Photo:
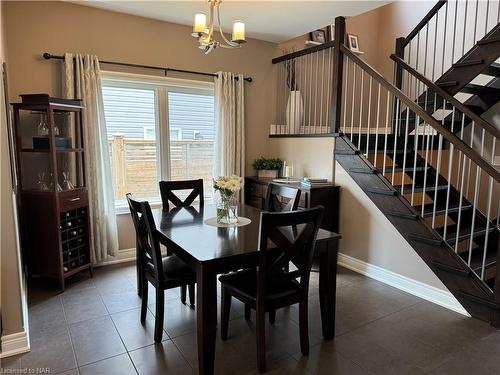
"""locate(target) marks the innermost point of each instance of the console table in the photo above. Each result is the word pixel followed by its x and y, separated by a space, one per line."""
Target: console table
pixel 327 195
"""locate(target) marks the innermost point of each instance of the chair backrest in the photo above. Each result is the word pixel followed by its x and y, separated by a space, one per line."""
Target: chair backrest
pixel 275 195
pixel 294 235
pixel 147 241
pixel 168 196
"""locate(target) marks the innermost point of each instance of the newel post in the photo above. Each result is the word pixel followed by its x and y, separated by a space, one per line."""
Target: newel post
pixel 338 70
pixel 399 52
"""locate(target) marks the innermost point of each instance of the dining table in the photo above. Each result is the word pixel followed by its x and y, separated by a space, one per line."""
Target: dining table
pixel 211 250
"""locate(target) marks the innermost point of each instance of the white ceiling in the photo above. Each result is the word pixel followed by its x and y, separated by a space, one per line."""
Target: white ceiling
pixel 274 21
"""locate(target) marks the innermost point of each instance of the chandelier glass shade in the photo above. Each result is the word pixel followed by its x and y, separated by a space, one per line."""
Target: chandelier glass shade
pixel 203 30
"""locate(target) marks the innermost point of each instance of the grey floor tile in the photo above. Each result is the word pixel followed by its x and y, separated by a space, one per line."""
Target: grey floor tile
pixel 95 339
pixel 83 305
pixel 179 319
pixel 162 358
pixel 481 357
pixel 388 352
pixel 117 302
pixel 50 349
pixel 133 334
pixel 70 372
pixel 324 359
pixel 43 315
pixel 119 365
pixel 10 363
pixel 284 366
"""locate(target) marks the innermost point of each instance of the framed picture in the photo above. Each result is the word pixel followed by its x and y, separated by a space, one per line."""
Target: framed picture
pixel 330 32
pixel 318 36
pixel 352 42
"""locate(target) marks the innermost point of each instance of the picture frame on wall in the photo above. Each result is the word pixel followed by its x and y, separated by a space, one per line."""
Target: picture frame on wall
pixel 330 33
pixel 318 36
pixel 353 42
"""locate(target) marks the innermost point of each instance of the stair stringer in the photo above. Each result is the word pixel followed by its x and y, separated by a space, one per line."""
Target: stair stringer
pixel 454 273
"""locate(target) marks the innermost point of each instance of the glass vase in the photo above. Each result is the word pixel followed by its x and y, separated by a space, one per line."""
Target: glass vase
pixel 227 210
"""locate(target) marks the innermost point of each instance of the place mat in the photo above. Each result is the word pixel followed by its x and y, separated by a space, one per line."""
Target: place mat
pixel 242 221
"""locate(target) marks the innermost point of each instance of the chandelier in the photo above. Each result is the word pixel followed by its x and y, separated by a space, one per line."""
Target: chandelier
pixel 205 32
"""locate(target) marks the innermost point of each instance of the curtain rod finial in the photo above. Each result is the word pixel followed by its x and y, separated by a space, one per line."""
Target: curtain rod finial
pixel 46 55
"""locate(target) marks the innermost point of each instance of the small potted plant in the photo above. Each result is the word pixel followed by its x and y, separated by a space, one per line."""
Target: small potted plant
pixel 267 167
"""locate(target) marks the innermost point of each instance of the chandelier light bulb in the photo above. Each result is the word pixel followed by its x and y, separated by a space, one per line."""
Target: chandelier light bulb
pixel 238 31
pixel 200 23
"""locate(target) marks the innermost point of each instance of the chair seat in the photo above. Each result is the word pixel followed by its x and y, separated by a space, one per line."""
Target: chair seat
pixel 174 269
pixel 245 283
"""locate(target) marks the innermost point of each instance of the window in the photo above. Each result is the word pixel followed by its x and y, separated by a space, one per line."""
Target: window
pixel 158 129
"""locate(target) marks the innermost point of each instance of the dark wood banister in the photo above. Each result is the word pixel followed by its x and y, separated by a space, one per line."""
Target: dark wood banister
pixel 424 21
pixel 302 52
pixel 448 135
pixel 450 99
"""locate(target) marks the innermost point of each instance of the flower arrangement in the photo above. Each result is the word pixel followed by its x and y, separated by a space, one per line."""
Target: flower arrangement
pixel 226 207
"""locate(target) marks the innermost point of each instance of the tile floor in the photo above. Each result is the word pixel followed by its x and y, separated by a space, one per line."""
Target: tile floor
pixel 93 328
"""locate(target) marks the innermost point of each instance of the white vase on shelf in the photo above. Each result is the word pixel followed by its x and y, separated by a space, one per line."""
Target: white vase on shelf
pixel 294 112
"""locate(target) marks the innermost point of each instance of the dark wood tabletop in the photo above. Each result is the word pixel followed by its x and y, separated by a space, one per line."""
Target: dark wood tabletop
pixel 211 250
pixel 185 226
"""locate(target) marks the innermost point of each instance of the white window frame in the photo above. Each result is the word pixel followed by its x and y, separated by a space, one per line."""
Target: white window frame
pixel 162 86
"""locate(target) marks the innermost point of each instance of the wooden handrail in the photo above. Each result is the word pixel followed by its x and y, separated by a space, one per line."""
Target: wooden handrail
pixel 448 135
pixel 303 52
pixel 424 21
pixel 450 99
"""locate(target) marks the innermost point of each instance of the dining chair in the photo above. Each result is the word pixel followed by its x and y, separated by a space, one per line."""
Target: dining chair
pixel 276 195
pixel 168 188
pixel 168 196
pixel 274 198
pixel 270 286
pixel 162 272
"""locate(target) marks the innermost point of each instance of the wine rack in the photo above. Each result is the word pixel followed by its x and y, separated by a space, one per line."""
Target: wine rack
pixel 74 238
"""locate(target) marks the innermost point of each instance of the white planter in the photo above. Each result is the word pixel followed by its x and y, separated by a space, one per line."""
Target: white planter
pixel 267 173
pixel 294 112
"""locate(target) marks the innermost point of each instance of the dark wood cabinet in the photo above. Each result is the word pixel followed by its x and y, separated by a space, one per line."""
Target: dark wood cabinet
pixel 327 195
pixel 51 186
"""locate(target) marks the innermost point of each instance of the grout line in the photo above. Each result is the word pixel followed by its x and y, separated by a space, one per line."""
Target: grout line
pixel 119 335
pixel 69 332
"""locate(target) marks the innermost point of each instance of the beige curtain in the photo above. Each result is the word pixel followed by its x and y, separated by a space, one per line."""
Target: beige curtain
pixel 229 125
pixel 82 80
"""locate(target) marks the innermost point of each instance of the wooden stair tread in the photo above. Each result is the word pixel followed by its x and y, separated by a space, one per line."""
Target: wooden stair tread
pixel 464 233
pixel 476 262
pixel 407 188
pixel 441 210
pixel 492 70
pixel 480 90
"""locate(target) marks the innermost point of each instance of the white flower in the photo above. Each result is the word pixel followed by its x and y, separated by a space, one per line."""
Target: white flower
pixel 221 184
pixel 234 185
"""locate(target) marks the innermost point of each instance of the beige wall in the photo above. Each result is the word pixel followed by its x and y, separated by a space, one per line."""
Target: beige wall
pixel 11 304
pixel 57 27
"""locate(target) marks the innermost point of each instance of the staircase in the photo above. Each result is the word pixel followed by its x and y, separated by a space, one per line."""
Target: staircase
pixel 441 199
pixel 419 148
pixel 428 168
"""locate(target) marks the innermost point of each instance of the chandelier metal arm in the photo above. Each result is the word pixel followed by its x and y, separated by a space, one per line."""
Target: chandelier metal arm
pixel 228 42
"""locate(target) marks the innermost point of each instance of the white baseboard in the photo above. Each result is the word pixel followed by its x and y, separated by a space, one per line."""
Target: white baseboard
pixel 417 288
pixel 15 343
pixel 123 256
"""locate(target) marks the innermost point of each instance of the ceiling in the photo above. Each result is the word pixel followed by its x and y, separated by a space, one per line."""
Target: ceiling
pixel 273 21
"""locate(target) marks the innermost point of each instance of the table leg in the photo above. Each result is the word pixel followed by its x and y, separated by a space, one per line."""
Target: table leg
pixel 328 287
pixel 206 307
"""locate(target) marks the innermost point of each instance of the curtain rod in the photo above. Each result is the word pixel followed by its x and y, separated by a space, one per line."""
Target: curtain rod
pixel 48 56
